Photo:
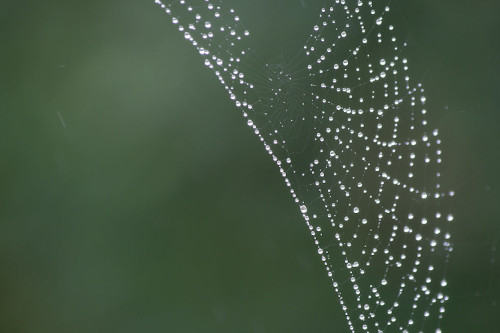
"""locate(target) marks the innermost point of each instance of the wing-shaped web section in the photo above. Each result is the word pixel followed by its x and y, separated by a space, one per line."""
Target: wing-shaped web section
pixel 347 128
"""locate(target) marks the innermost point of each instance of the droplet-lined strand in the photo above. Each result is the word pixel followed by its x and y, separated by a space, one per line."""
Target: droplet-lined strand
pixel 347 127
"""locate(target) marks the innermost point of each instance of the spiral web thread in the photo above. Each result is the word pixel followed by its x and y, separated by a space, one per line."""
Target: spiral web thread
pixel 347 128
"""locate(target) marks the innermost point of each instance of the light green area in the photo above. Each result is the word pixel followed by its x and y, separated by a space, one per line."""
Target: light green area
pixel 134 198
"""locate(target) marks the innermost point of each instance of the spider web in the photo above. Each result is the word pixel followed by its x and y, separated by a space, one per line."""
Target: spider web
pixel 347 128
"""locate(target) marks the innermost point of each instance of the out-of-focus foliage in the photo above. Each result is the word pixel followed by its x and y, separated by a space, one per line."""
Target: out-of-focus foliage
pixel 133 197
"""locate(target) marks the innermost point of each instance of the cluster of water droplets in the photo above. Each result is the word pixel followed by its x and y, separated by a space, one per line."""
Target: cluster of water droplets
pixel 348 131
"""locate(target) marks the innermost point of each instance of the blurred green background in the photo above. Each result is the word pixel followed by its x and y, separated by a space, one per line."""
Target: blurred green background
pixel 134 198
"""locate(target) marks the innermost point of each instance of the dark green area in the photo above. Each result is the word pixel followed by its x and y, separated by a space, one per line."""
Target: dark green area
pixel 134 198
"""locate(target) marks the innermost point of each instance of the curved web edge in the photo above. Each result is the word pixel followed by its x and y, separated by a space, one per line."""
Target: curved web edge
pixel 349 134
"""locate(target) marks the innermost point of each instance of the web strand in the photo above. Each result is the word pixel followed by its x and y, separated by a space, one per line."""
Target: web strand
pixel 347 128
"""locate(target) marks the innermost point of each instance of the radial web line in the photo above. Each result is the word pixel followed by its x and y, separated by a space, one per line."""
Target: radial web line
pixel 347 127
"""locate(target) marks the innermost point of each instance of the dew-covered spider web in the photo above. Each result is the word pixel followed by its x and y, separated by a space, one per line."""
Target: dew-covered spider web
pixel 347 127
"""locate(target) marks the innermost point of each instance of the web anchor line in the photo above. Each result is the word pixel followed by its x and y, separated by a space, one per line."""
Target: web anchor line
pixel 347 128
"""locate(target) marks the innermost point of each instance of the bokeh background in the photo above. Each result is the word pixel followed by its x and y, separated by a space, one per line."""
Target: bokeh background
pixel 134 198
